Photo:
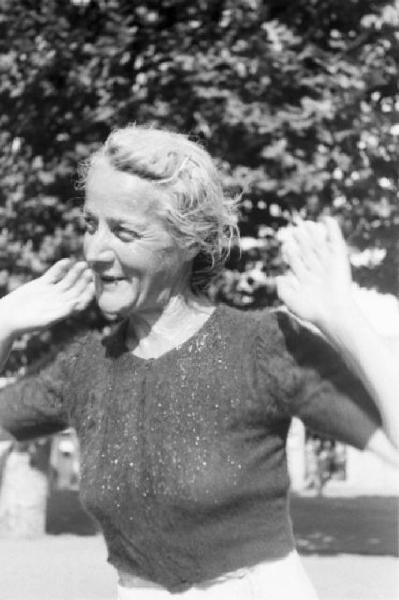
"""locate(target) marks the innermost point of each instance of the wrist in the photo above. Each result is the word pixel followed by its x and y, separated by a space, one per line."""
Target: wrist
pixel 341 316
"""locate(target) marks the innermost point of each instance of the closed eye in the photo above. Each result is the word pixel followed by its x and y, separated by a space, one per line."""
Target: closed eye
pixel 125 233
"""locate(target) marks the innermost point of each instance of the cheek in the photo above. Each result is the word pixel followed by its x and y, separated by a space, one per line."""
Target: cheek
pixel 169 262
pixel 148 262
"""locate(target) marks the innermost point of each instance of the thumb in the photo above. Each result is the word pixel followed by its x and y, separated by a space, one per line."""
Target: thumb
pixel 286 287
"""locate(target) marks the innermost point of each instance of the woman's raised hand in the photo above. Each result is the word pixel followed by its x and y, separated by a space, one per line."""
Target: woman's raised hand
pixel 318 281
pixel 61 291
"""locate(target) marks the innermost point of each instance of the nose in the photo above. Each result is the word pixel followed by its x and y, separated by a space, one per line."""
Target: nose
pixel 98 252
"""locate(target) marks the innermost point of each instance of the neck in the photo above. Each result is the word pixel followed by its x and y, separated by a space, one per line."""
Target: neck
pixel 164 321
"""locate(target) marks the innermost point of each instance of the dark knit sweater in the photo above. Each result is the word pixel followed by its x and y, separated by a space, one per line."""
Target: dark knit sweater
pixel 183 456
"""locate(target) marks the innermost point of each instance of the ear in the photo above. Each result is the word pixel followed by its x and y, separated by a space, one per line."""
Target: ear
pixel 191 250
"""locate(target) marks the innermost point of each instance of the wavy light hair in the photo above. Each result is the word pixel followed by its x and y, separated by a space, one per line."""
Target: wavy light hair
pixel 198 212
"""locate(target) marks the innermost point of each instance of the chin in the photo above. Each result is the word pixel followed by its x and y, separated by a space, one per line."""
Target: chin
pixel 113 311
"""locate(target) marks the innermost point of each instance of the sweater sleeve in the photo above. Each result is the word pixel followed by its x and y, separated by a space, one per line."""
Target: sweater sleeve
pixel 311 381
pixel 41 404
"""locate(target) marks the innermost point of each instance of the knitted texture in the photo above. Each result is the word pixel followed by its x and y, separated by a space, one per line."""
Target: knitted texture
pixel 183 458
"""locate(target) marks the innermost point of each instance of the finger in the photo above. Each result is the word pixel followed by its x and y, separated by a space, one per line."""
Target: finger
pixel 292 256
pixel 85 298
pixel 311 232
pixel 319 239
pixel 81 285
pixel 57 271
pixel 317 231
pixel 307 244
pixel 338 247
pixel 297 219
pixel 73 275
pixel 334 233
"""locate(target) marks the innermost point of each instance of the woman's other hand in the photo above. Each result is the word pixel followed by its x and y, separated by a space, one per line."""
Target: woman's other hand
pixel 318 282
pixel 318 288
pixel 64 289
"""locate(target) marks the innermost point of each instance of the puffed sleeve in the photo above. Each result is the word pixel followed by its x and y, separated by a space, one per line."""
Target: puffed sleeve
pixel 310 380
pixel 41 404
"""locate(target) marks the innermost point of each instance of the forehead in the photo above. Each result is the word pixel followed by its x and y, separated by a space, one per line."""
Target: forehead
pixel 116 194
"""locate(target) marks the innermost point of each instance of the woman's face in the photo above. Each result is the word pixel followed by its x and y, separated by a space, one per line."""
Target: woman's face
pixel 137 265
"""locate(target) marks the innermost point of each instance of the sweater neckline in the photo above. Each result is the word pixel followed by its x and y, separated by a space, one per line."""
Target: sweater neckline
pixel 205 328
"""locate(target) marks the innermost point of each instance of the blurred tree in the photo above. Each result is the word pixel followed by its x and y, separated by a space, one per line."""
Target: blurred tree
pixel 298 102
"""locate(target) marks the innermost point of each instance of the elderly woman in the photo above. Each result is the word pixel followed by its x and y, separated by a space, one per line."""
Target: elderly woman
pixel 183 410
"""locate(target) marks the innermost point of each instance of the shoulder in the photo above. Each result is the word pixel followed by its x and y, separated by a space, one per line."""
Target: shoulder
pixel 85 360
pixel 62 354
pixel 247 319
pixel 270 324
pixel 77 354
pixel 266 336
pixel 293 333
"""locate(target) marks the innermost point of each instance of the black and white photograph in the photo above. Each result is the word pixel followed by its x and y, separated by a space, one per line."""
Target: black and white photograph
pixel 199 300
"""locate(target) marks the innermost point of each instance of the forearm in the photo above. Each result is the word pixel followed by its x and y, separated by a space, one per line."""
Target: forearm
pixel 371 358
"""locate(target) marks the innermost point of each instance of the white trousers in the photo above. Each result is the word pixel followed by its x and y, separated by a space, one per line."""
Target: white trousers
pixel 283 579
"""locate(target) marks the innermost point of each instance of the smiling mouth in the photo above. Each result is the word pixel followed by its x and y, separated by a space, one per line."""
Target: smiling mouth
pixel 110 279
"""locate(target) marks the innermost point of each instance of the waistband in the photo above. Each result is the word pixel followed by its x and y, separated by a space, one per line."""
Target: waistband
pixel 281 579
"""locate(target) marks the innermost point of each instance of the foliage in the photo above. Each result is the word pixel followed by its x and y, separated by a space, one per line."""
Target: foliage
pixel 298 102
